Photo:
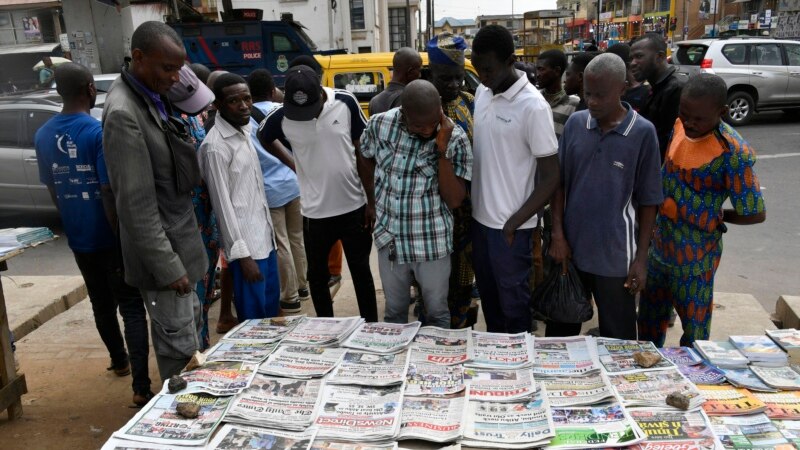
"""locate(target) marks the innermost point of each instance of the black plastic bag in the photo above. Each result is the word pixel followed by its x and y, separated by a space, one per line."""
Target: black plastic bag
pixel 561 298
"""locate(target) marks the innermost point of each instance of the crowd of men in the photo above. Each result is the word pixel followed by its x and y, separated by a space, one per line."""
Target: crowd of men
pixel 629 179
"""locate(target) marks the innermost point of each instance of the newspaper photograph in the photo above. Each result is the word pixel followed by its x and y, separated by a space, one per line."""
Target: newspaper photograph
pixel 218 378
pixel 370 369
pixel 753 431
pixel 382 337
pixel 285 403
pixel 360 413
pixel 158 422
pixel 565 356
pixel 600 426
pixel 324 331
pixel 441 346
pixel 616 355
pixel 433 379
pixel 435 419
pixel 240 437
pixel 298 361
pixel 251 352
pixel 681 356
pixel 675 429
pixel 578 391
pixel 651 388
pixel 263 330
pixel 501 351
pixel 326 444
pixel 521 424
pixel 498 385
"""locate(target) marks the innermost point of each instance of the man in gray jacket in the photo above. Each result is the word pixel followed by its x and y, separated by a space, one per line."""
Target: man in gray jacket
pixel 152 169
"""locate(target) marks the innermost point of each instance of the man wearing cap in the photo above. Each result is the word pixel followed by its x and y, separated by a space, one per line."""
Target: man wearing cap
pixel 323 127
pixel 153 170
pixel 446 62
pixel 236 184
pixel 421 161
pixel 406 66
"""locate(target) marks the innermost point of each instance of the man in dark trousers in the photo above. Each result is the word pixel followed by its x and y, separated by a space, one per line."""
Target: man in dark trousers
pixel 406 65
pixel 69 150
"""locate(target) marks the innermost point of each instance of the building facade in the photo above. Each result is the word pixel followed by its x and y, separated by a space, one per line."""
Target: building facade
pixel 465 28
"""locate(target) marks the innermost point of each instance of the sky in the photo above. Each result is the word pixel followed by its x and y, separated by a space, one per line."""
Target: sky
pixel 469 9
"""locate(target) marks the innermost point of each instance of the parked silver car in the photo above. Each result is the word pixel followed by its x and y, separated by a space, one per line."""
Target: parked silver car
pixel 761 73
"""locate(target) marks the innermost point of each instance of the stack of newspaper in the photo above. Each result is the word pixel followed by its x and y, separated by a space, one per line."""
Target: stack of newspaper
pixel 263 330
pixel 322 331
pixel 498 385
pixel 681 356
pixel 616 355
pixel 442 346
pixel 600 426
pixel 360 413
pixel 745 378
pixel 370 369
pixel 298 361
pixel 218 378
pixel 760 350
pixel 24 237
pixel 789 341
pixel 721 354
pixel 433 379
pixel 565 356
pixel 238 437
pixel 381 337
pixel 651 388
pixel 244 351
pixel 692 365
pixel 781 405
pixel 587 390
pixel 755 431
pixel 679 430
pixel 501 351
pixel 435 419
pixel 273 402
pixel 784 378
pixel 730 401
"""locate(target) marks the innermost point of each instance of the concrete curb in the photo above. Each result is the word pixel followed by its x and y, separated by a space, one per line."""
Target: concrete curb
pixel 47 308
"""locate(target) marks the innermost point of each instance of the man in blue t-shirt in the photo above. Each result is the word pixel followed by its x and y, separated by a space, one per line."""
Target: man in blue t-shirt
pixel 69 149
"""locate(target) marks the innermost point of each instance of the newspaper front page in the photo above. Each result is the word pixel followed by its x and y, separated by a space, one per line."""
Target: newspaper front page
pixel 577 391
pixel 442 346
pixel 327 444
pixel 498 385
pixel 360 413
pixel 668 430
pixel 435 419
pixel 651 388
pixel 298 361
pixel 599 426
pixel 565 356
pixel 370 369
pixel 241 437
pixel 382 337
pixel 158 422
pixel 263 330
pixel 324 331
pixel 285 403
pixel 218 378
pixel 251 352
pixel 753 431
pixel 501 351
pixel 616 355
pixel 433 379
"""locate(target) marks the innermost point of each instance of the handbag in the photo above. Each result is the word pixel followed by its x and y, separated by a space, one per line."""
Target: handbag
pixel 184 155
pixel 561 297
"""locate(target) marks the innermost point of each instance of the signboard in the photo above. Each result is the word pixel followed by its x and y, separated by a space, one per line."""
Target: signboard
pixel 63 38
pixel 606 15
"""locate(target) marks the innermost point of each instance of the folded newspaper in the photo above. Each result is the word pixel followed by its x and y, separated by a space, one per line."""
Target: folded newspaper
pixel 218 378
pixel 330 444
pixel 241 437
pixel 589 389
pixel 616 355
pixel 433 379
pixel 703 373
pixel 565 356
pixel 499 385
pixel 435 419
pixel 360 413
pixel 370 369
pixel 501 351
pixel 284 403
pixel 323 331
pixel 122 444
pixel 783 378
pixel 297 361
pixel 668 430
pixel 600 426
pixel 251 352
pixel 382 337
pixel 753 431
pixel 681 356
pixel 263 330
pixel 442 346
pixel 651 388
pixel 745 378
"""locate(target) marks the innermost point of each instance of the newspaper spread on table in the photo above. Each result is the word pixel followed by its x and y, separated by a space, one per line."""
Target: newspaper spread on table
pixel 565 356
pixel 499 385
pixel 599 426
pixel 668 430
pixel 252 352
pixel 298 361
pixel 577 391
pixel 442 346
pixel 616 355
pixel 122 444
pixel 521 424
pixel 241 437
pixel 500 351
pixel 218 378
pixel 285 403
pixel 370 369
pixel 263 330
pixel 330 444
pixel 433 379
pixel 324 331
pixel 753 431
pixel 158 422
pixel 360 413
pixel 436 419
pixel 382 337
pixel 651 388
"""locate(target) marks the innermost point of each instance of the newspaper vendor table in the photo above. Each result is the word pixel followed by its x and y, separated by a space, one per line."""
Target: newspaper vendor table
pixel 12 385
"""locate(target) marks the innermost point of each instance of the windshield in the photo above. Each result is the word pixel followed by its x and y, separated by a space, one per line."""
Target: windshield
pixel 311 45
pixel 690 55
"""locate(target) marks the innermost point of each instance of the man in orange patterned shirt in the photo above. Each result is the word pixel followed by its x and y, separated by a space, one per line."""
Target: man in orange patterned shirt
pixel 706 163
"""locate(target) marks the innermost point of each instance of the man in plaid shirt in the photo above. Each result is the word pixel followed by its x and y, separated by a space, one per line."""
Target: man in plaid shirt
pixel 421 162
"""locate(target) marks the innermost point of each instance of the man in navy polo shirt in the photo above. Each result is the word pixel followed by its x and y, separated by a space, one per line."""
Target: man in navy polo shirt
pixel 604 212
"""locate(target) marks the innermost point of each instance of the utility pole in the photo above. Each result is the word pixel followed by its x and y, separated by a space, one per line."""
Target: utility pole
pixel 685 21
pixel 408 23
pixel 714 26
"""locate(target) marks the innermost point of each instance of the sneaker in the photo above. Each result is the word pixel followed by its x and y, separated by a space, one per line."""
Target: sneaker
pixel 291 307
pixel 303 294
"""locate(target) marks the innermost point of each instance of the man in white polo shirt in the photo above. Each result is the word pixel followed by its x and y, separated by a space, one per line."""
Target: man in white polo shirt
pixel 323 127
pixel 513 133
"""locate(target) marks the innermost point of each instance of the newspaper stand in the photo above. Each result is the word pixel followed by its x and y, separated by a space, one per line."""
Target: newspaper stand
pixel 12 385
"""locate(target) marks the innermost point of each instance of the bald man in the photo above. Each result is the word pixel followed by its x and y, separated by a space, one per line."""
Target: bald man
pixel 406 66
pixel 421 162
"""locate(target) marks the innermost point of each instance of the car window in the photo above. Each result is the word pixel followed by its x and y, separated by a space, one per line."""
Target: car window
pixel 793 54
pixel 735 53
pixel 690 55
pixel 282 43
pixel 34 120
pixel 364 85
pixel 9 127
pixel 103 85
pixel 767 55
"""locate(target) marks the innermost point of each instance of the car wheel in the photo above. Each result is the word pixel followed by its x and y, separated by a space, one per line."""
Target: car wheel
pixel 740 108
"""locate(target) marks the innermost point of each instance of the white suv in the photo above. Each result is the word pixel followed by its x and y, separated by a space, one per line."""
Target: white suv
pixel 761 73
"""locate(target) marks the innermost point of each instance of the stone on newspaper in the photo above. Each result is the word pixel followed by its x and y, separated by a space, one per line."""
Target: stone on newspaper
pixel 646 359
pixel 176 383
pixel 189 410
pixel 678 400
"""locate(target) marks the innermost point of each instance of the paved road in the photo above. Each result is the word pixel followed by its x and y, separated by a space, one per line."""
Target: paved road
pixel 761 260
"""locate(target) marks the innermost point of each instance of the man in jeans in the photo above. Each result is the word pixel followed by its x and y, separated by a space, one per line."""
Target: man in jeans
pixel 69 150
pixel 323 127
pixel 423 162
